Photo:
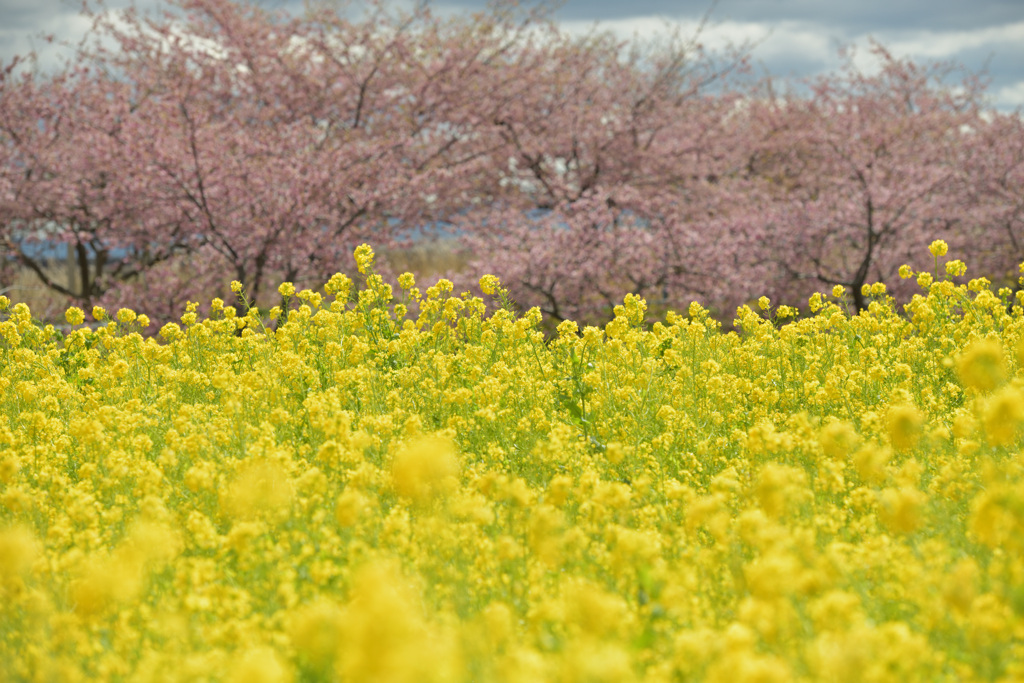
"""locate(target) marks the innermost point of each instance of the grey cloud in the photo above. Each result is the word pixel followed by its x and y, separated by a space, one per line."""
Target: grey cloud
pixel 22 16
pixel 853 16
pixel 28 16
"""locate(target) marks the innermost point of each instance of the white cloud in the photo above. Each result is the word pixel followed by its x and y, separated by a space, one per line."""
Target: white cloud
pixel 63 26
pixel 939 45
pixel 716 36
pixel 809 48
pixel 799 46
pixel 813 42
pixel 946 44
pixel 803 47
pixel 799 41
pixel 1010 95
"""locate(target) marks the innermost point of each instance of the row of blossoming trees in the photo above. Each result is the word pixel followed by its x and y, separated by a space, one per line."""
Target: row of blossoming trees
pixel 218 142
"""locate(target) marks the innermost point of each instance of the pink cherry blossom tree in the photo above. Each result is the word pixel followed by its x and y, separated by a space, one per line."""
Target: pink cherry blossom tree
pixel 868 170
pixel 994 157
pixel 626 162
pixel 240 145
pixel 63 180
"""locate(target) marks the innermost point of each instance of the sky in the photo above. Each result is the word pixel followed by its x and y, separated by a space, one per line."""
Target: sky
pixel 789 38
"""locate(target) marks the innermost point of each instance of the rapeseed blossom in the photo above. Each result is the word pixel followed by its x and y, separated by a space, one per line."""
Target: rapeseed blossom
pixel 424 490
pixel 75 316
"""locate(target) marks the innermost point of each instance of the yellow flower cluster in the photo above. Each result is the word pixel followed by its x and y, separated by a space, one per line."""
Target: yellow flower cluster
pixel 417 489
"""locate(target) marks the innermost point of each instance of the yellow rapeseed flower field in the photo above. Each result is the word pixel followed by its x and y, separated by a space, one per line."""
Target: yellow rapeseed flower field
pixel 405 486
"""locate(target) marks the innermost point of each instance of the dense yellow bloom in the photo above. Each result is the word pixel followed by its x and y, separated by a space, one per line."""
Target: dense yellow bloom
pixel 901 509
pixel 838 439
pixel 262 486
pixel 18 551
pixel 905 422
pixel 384 636
pixel 315 631
pixel 981 366
pixel 259 665
pixel 1004 415
pixel 425 468
pixel 420 490
pixel 105 583
pixel 938 248
pixel 352 505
